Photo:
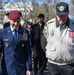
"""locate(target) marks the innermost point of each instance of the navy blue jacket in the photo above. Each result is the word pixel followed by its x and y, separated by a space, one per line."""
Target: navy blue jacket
pixel 17 55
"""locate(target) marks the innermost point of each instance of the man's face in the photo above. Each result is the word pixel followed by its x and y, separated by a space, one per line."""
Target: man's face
pixel 15 23
pixel 40 20
pixel 62 18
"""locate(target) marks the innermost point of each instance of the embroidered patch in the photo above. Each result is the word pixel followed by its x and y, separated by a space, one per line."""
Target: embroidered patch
pixel 71 34
pixel 61 8
pixel 6 44
pixel 52 33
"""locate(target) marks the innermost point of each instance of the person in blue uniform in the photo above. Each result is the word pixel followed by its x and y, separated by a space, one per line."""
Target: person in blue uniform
pixel 29 25
pixel 28 30
pixel 16 48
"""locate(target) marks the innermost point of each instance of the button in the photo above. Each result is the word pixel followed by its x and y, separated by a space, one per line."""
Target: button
pixel 22 45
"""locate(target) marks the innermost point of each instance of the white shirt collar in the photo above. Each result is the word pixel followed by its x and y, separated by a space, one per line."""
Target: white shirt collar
pixel 13 28
pixel 28 29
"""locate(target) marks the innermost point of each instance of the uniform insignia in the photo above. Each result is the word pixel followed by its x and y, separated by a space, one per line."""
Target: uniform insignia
pixel 22 45
pixel 61 8
pixel 52 33
pixel 25 36
pixel 6 44
pixel 71 34
pixel 5 39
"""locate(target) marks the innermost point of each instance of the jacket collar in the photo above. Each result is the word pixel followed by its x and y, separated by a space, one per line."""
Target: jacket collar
pixel 67 22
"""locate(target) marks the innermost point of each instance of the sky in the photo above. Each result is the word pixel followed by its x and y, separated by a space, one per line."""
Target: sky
pixel 29 0
pixel 40 2
pixel 66 1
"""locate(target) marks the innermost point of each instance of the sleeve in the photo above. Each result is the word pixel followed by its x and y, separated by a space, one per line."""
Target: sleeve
pixel 1 45
pixel 43 42
pixel 28 56
pixel 1 41
pixel 32 36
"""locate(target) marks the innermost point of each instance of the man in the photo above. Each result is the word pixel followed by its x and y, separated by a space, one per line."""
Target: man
pixel 16 49
pixel 60 42
pixel 38 53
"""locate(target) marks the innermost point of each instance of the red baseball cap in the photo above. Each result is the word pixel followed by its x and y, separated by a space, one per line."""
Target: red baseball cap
pixel 15 14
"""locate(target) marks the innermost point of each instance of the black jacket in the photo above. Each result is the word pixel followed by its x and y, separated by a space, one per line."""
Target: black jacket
pixel 36 33
pixel 36 37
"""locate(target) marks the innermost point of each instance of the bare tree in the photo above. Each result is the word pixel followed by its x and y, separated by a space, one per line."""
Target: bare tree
pixel 72 1
pixel 4 2
pixel 71 13
pixel 39 6
pixel 2 12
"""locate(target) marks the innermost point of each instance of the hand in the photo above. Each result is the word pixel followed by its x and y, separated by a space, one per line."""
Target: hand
pixel 28 73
